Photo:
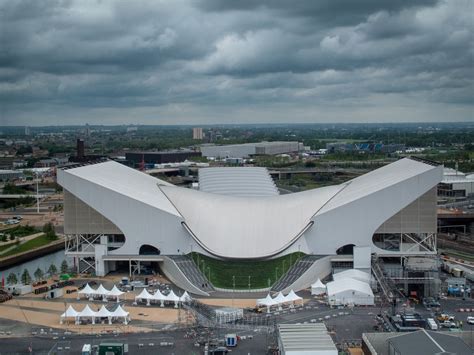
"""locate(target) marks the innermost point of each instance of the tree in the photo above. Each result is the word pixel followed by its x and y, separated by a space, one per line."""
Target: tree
pixel 38 274
pixel 64 267
pixel 12 279
pixel 48 229
pixel 25 277
pixel 12 237
pixel 52 270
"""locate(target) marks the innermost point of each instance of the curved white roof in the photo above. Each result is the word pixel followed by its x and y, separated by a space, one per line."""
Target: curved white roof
pixel 250 227
pixel 353 274
pixel 341 285
pixel 237 181
pixel 126 181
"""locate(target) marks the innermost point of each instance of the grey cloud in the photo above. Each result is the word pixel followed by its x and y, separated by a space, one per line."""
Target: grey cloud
pixel 181 58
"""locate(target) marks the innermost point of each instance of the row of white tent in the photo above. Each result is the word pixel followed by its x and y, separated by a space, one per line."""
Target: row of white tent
pixel 158 296
pixel 101 291
pixel 279 300
pixel 88 313
pixel 349 287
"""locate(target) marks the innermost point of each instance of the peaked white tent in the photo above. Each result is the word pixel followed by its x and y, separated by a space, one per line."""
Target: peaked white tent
pixel 267 302
pixel 144 295
pixel 280 299
pixel 102 291
pixel 70 313
pixel 88 291
pixel 173 298
pixel 318 288
pixel 104 313
pixel 115 292
pixel 293 297
pixel 349 291
pixel 185 297
pixel 158 296
pixel 87 312
pixel 121 313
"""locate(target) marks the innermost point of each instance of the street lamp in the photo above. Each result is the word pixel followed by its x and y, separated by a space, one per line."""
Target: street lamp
pixel 249 282
pixel 283 270
pixel 209 273
pixel 233 289
pixel 276 274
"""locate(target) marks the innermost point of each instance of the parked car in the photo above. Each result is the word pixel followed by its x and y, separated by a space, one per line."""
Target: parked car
pixel 470 320
pixel 448 324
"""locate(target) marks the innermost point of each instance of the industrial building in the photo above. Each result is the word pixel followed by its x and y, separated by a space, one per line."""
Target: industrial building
pixel 117 217
pixel 250 149
pixel 308 339
pixel 172 156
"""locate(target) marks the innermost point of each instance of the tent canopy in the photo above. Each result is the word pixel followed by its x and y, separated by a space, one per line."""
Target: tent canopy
pixel 103 312
pixel 353 274
pixel 318 284
pixel 115 292
pixel 280 298
pixel 87 290
pixel 267 301
pixel 70 312
pixel 144 295
pixel 172 297
pixel 185 297
pixel 158 296
pixel 101 290
pixel 87 312
pixel 119 312
pixel 292 297
pixel 344 284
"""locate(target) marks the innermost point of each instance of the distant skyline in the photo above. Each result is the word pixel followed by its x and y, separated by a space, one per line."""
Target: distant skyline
pixel 217 62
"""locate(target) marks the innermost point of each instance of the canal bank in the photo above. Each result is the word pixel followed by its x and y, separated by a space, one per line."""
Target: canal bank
pixel 41 257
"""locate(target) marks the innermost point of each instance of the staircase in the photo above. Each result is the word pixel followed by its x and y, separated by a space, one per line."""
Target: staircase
pixel 298 269
pixel 192 273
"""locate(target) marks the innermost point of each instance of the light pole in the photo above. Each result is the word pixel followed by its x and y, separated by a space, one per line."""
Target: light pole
pixel 209 273
pixel 233 289
pixel 203 266
pixel 249 282
pixel 283 270
pixel 276 274
pixel 37 194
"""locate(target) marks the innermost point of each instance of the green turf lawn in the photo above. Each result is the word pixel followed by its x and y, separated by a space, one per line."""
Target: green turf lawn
pixel 262 273
pixel 31 244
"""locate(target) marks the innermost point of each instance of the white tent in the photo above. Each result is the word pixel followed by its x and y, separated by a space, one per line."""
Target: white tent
pixel 88 291
pixel 144 295
pixel 293 297
pixel 318 288
pixel 353 274
pixel 70 313
pixel 102 291
pixel 185 297
pixel 349 291
pixel 104 313
pixel 280 299
pixel 121 313
pixel 158 296
pixel 267 302
pixel 173 298
pixel 115 292
pixel 87 312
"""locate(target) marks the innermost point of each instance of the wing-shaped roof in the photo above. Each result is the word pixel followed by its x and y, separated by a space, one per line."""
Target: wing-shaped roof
pixel 126 181
pixel 250 227
pixel 376 180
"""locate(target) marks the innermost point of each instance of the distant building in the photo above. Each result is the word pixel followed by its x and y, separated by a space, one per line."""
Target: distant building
pixel 456 184
pixel 197 133
pixel 131 129
pixel 172 156
pixel 10 175
pixel 343 147
pixel 27 131
pixel 250 149
pixel 51 162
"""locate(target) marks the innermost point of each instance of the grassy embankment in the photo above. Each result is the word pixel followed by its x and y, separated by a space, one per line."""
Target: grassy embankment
pixel 262 273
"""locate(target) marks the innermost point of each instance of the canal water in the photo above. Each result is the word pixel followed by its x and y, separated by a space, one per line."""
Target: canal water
pixel 42 262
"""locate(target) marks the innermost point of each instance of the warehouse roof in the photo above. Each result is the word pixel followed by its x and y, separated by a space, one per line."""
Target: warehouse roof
pixel 305 337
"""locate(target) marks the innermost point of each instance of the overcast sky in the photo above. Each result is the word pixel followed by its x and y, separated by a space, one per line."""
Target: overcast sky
pixel 216 61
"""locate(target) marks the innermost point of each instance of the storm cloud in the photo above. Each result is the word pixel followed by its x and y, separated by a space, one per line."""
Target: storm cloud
pixel 210 61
